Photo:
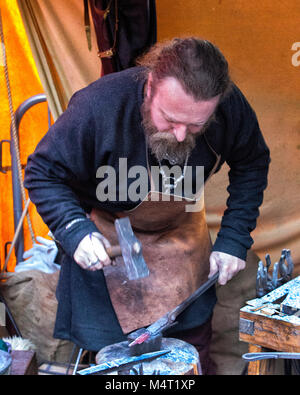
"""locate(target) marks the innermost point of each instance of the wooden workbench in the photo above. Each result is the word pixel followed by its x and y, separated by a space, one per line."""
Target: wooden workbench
pixel 262 328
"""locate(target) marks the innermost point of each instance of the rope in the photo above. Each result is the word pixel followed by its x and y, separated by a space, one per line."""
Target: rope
pixel 14 130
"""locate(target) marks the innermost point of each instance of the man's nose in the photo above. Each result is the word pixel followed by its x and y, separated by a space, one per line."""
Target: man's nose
pixel 180 132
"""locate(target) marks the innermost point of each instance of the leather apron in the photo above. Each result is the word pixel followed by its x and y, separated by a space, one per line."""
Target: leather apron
pixel 176 246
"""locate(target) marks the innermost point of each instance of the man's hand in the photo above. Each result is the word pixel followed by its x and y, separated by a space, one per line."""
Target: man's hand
pixel 91 254
pixel 226 264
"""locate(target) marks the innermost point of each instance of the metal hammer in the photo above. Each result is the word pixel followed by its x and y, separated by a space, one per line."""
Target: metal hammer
pixel 130 249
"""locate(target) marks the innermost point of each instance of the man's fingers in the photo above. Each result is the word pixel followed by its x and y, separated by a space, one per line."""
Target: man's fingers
pixel 213 266
pixel 99 250
pixel 217 265
pixel 227 265
pixel 103 239
pixel 87 260
pixel 224 276
pixel 93 262
pixel 91 254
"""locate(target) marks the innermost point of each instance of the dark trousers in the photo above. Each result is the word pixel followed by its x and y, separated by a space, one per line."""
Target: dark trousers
pixel 200 338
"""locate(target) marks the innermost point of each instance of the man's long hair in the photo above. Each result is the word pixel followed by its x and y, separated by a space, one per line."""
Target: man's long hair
pixel 198 64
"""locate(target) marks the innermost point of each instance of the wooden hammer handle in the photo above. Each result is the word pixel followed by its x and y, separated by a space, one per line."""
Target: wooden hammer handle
pixel 114 251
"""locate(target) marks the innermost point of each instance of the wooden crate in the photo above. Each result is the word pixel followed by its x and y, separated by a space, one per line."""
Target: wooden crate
pixel 23 363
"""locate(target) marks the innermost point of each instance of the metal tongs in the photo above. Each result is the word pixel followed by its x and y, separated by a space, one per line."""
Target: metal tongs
pixel 168 320
pixel 282 273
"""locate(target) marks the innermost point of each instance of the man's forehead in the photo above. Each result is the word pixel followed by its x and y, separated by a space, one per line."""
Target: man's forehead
pixel 172 100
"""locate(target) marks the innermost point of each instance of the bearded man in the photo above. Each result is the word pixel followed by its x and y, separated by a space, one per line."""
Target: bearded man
pixel 177 107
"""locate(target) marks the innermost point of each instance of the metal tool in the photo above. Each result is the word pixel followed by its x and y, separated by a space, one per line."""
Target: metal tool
pixel 130 249
pixel 282 273
pixel 168 319
pixel 121 363
pixel 255 356
pixel 291 304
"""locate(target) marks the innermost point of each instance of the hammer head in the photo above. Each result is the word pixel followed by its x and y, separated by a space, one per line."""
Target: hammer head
pixel 131 250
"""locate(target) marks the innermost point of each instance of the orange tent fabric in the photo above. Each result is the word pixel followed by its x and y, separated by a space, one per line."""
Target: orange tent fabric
pixel 24 83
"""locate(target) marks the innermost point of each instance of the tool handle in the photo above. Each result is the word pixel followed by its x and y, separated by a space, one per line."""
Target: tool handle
pixel 114 251
pixel 204 287
pixel 168 319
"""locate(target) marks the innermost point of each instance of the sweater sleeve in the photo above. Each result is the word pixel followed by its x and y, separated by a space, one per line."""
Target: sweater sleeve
pixel 248 160
pixel 60 159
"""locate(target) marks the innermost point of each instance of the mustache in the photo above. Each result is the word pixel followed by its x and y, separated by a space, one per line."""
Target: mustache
pixel 164 145
pixel 169 138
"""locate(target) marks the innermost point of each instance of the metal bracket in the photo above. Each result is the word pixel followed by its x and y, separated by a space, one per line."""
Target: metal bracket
pixel 246 326
pixel 109 53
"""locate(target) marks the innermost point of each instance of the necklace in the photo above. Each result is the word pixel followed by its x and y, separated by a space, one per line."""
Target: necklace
pixel 171 182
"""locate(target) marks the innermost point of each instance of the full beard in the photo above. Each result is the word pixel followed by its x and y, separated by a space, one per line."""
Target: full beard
pixel 164 145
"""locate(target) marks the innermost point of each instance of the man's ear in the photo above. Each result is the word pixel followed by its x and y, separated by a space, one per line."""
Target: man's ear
pixel 149 85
